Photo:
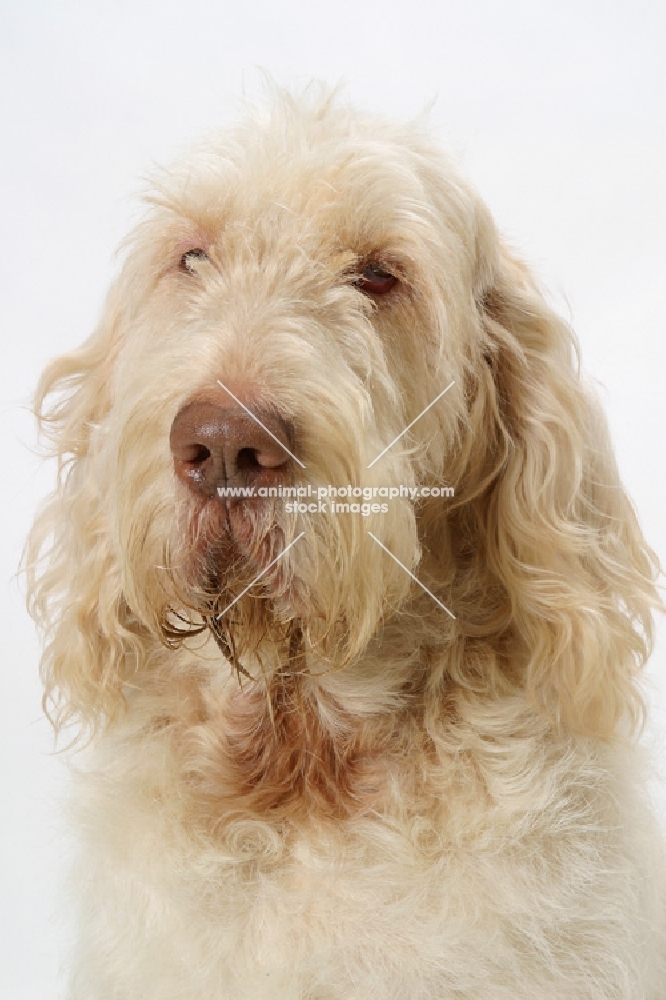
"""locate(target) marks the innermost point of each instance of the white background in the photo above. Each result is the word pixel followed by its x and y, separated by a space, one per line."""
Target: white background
pixel 556 111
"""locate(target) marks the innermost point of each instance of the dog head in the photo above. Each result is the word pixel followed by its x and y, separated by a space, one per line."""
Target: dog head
pixel 303 290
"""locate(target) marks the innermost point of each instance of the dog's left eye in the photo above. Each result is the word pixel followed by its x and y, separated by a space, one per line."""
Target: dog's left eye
pixel 375 280
pixel 188 262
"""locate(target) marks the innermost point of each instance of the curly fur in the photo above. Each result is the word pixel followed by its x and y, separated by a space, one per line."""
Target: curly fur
pixel 345 793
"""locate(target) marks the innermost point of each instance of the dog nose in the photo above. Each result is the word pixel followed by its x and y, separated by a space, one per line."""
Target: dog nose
pixel 214 446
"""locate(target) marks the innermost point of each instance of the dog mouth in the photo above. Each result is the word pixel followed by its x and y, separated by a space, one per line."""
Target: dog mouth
pixel 230 541
pixel 228 572
pixel 231 532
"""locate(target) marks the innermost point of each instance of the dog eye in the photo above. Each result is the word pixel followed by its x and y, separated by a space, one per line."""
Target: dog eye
pixel 189 259
pixel 375 280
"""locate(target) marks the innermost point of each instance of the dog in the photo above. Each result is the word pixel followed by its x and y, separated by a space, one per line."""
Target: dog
pixel 344 598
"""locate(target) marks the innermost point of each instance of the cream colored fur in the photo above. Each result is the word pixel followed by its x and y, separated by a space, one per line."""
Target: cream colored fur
pixel 373 800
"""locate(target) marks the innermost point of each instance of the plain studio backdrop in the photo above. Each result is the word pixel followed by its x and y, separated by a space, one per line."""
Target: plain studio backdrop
pixel 555 111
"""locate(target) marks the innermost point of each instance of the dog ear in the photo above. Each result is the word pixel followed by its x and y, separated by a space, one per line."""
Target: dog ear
pixel 73 586
pixel 559 531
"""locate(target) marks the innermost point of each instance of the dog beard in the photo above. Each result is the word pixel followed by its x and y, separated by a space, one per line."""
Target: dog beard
pixel 230 579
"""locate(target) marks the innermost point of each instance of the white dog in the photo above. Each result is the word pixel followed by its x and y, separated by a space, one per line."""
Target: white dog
pixel 341 749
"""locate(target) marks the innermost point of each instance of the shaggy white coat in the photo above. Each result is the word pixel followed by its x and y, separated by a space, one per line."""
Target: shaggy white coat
pixel 366 798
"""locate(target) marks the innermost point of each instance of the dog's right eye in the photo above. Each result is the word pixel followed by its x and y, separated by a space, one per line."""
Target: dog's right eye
pixel 375 280
pixel 188 262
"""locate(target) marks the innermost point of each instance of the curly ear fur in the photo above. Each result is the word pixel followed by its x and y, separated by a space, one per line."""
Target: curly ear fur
pixel 555 526
pixel 73 586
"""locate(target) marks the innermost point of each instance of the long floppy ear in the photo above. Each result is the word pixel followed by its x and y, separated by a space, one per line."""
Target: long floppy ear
pixel 73 586
pixel 559 532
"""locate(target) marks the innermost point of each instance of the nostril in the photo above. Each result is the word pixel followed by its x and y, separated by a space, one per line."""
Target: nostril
pixel 247 459
pixel 194 454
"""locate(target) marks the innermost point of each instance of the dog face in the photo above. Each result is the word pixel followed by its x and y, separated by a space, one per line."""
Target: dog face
pixel 316 278
pixel 300 293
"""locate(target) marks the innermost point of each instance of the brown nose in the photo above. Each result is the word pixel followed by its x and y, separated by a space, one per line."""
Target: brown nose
pixel 215 446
